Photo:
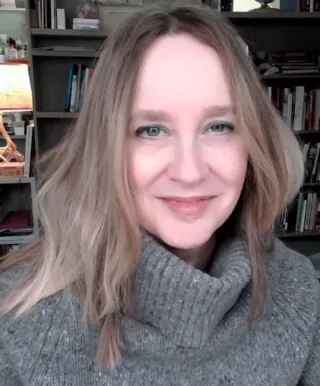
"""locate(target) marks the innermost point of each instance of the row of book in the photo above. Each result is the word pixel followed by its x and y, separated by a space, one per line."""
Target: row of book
pixel 302 215
pixel 47 14
pixel 311 153
pixel 78 80
pixel 308 5
pixel 298 105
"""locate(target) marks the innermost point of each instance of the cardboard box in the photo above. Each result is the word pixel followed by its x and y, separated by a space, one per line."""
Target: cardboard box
pixel 11 169
pixel 112 15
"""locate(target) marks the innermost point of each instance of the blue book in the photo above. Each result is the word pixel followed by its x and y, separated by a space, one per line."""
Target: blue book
pixel 288 5
pixel 69 87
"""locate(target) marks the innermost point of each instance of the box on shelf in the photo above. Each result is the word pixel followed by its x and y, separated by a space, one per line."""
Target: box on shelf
pixel 11 169
pixel 112 15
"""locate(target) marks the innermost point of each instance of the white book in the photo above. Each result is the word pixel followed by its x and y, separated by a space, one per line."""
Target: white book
pixel 311 6
pixel 270 93
pixel 86 21
pixel 303 215
pixel 298 109
pixel 53 14
pixel 61 18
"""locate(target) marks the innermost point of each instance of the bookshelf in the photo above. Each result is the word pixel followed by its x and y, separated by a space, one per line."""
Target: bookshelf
pixel 17 194
pixel 270 32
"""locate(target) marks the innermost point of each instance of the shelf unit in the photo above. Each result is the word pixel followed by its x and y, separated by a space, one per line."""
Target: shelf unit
pixel 18 239
pixel 274 31
pixel 67 54
pixel 63 33
pixel 21 191
pixel 11 9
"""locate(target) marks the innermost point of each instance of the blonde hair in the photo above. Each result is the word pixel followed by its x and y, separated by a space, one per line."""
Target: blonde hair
pixel 90 236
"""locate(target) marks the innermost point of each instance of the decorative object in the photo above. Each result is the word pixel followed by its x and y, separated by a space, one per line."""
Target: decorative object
pixel 15 96
pixel 265 6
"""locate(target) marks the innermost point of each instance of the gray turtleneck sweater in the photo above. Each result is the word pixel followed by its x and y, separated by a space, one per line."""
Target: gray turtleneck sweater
pixel 189 328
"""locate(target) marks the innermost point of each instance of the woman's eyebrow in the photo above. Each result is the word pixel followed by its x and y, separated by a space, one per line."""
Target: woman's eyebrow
pixel 150 115
pixel 162 115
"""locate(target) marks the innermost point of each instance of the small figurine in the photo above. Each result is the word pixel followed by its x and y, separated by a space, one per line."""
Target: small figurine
pixel 9 152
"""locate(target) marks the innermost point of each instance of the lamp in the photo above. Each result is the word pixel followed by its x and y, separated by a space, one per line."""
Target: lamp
pixel 15 96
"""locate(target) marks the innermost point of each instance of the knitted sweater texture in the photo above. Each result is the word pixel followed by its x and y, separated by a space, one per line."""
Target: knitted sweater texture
pixel 187 328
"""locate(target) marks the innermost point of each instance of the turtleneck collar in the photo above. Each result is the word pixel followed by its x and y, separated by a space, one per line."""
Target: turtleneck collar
pixel 184 303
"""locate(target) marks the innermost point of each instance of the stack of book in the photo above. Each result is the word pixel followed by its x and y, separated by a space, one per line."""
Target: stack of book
pixel 308 6
pixel 8 3
pixel 290 63
pixel 82 23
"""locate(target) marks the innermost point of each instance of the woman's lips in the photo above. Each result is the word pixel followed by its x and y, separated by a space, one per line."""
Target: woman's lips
pixel 189 206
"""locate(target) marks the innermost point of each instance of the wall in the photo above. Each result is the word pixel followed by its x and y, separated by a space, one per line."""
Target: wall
pixel 247 5
pixel 14 24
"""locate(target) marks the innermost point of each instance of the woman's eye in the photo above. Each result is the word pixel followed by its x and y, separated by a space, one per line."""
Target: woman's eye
pixel 219 127
pixel 149 131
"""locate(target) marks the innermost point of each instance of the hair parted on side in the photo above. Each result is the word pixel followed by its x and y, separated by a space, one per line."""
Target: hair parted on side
pixel 90 236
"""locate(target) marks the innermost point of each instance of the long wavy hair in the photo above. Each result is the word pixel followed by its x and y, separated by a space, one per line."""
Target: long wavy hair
pixel 90 237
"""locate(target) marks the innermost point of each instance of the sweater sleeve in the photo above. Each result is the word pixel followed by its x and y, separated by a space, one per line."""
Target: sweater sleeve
pixel 8 375
pixel 311 373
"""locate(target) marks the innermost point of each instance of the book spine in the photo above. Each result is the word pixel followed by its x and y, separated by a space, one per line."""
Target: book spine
pixel 53 14
pixel 298 109
pixel 69 88
pixel 73 93
pixel 28 149
pixel 289 112
pixel 78 89
pixel 316 119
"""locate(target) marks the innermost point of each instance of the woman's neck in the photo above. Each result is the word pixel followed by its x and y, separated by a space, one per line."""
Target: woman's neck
pixel 199 257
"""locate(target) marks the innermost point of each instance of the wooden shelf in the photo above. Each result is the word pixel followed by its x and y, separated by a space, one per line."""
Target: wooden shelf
pixel 298 235
pixel 273 17
pixel 14 137
pixel 9 240
pixel 307 133
pixel 311 185
pixel 56 115
pixel 71 33
pixel 65 54
pixel 11 9
pixel 22 180
pixel 295 77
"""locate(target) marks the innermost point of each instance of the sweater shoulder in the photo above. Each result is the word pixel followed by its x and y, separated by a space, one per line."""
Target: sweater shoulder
pixel 293 286
pixel 28 326
pixel 286 266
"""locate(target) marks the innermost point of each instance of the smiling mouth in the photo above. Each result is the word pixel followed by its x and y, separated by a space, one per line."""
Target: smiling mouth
pixel 189 206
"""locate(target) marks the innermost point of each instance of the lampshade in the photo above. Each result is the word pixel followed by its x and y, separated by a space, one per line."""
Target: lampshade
pixel 15 88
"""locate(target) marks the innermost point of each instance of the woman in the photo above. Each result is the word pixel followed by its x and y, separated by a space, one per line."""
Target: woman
pixel 157 265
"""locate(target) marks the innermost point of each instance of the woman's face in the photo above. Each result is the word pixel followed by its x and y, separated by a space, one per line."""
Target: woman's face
pixel 187 161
